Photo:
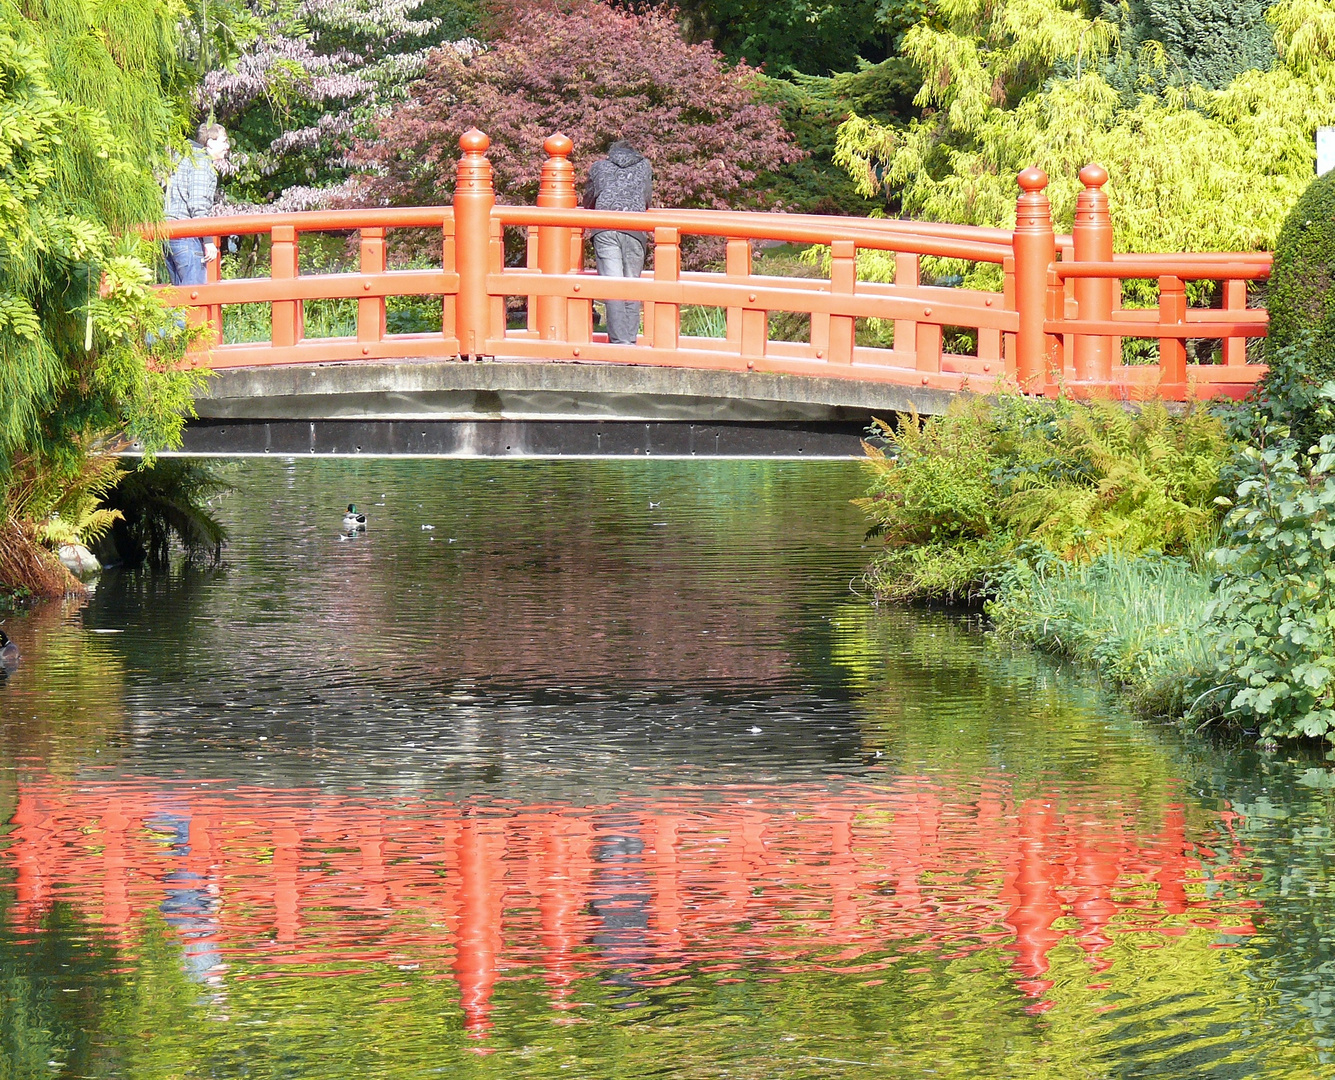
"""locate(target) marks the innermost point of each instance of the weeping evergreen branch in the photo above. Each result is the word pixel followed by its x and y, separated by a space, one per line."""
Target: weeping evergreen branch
pixel 90 98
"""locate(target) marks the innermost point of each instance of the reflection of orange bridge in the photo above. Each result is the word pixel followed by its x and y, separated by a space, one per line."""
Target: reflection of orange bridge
pixel 1056 321
pixel 691 876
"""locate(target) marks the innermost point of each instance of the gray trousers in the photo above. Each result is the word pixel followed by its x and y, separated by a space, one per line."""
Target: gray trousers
pixel 620 254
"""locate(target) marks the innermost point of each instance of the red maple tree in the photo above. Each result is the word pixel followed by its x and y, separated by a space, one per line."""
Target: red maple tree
pixel 597 74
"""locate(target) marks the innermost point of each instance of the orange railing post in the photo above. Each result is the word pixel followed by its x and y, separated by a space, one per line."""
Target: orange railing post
pixel 474 197
pixel 1035 248
pixel 450 301
pixel 843 282
pixel 556 188
pixel 286 314
pixel 1058 348
pixel 667 267
pixel 908 271
pixel 1008 304
pixel 371 309
pixel 1094 297
pixel 1172 350
pixel 737 266
pixel 213 313
pixel 1235 299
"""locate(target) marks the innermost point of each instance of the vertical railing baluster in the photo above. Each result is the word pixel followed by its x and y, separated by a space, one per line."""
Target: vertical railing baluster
pixel 843 282
pixel 907 276
pixel 667 267
pixel 1008 304
pixel 1058 346
pixel 579 313
pixel 737 266
pixel 531 263
pixel 1172 350
pixel 497 316
pixel 448 302
pixel 285 319
pixel 213 313
pixel 371 309
pixel 927 347
pixel 1235 299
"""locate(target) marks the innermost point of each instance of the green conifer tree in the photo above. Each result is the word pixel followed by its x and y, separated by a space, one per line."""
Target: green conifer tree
pixel 1199 42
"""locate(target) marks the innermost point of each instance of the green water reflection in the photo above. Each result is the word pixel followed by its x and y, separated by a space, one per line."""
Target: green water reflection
pixel 570 784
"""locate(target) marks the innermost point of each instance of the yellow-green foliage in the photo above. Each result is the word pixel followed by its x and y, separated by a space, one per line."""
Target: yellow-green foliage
pixel 86 89
pixel 956 496
pixel 1119 481
pixel 1013 83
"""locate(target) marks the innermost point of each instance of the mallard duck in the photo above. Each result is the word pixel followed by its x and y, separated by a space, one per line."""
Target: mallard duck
pixel 352 520
pixel 9 652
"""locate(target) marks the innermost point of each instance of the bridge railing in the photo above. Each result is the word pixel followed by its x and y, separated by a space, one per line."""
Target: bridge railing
pixel 1056 324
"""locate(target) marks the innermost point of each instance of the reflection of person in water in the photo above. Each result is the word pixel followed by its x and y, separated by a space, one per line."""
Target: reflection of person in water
pixel 621 899
pixel 191 903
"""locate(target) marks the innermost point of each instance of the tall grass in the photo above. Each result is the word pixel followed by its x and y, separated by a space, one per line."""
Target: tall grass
pixel 703 321
pixel 333 318
pixel 1138 620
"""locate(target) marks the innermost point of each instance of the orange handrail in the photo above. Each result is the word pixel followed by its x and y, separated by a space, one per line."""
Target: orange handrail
pixel 1055 326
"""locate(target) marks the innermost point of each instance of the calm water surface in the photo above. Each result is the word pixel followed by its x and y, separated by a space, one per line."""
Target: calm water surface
pixel 601 770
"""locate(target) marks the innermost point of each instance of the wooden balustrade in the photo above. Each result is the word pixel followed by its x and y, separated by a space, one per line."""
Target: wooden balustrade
pixel 1056 326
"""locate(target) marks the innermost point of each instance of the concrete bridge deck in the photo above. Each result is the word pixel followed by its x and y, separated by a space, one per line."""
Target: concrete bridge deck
pixel 525 408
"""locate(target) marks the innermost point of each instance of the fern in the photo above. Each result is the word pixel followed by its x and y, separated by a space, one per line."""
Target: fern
pixel 954 497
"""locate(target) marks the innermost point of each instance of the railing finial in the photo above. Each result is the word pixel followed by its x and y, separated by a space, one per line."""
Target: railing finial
pixel 473 141
pixel 558 145
pixel 557 184
pixel 1032 180
pixel 1093 176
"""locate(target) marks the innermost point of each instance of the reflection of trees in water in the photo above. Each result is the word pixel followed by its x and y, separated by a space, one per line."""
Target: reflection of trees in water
pixel 554 573
pixel 64 702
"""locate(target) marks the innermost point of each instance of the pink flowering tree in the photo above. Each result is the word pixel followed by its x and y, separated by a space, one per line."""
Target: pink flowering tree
pixel 297 81
pixel 596 73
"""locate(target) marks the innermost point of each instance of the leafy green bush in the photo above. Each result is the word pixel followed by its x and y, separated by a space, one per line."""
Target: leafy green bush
pixel 1301 302
pixel 1274 616
pixel 954 496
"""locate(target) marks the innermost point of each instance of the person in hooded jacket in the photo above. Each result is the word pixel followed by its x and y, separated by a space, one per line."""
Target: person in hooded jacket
pixel 623 180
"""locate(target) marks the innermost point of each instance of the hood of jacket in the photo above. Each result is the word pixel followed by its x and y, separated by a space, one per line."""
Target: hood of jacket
pixel 623 156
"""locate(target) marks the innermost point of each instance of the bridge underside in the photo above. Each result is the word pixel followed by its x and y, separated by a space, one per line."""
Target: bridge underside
pixel 529 409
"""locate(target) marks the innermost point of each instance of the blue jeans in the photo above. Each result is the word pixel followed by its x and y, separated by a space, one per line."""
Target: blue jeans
pixel 620 254
pixel 185 261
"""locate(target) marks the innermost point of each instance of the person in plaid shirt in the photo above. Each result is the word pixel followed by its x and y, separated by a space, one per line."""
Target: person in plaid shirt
pixel 190 195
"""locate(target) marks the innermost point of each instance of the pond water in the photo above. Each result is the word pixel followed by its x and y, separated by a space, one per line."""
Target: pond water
pixel 602 769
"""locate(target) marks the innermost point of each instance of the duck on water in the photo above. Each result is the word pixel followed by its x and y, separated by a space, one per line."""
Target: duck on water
pixel 9 653
pixel 353 521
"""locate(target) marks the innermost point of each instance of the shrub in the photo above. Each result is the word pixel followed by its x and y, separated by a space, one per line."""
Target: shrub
pixel 933 501
pixel 1274 616
pixel 596 74
pixel 955 496
pixel 1301 301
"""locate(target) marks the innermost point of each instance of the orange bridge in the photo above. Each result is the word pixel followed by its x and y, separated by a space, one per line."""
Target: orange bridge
pixel 1056 322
